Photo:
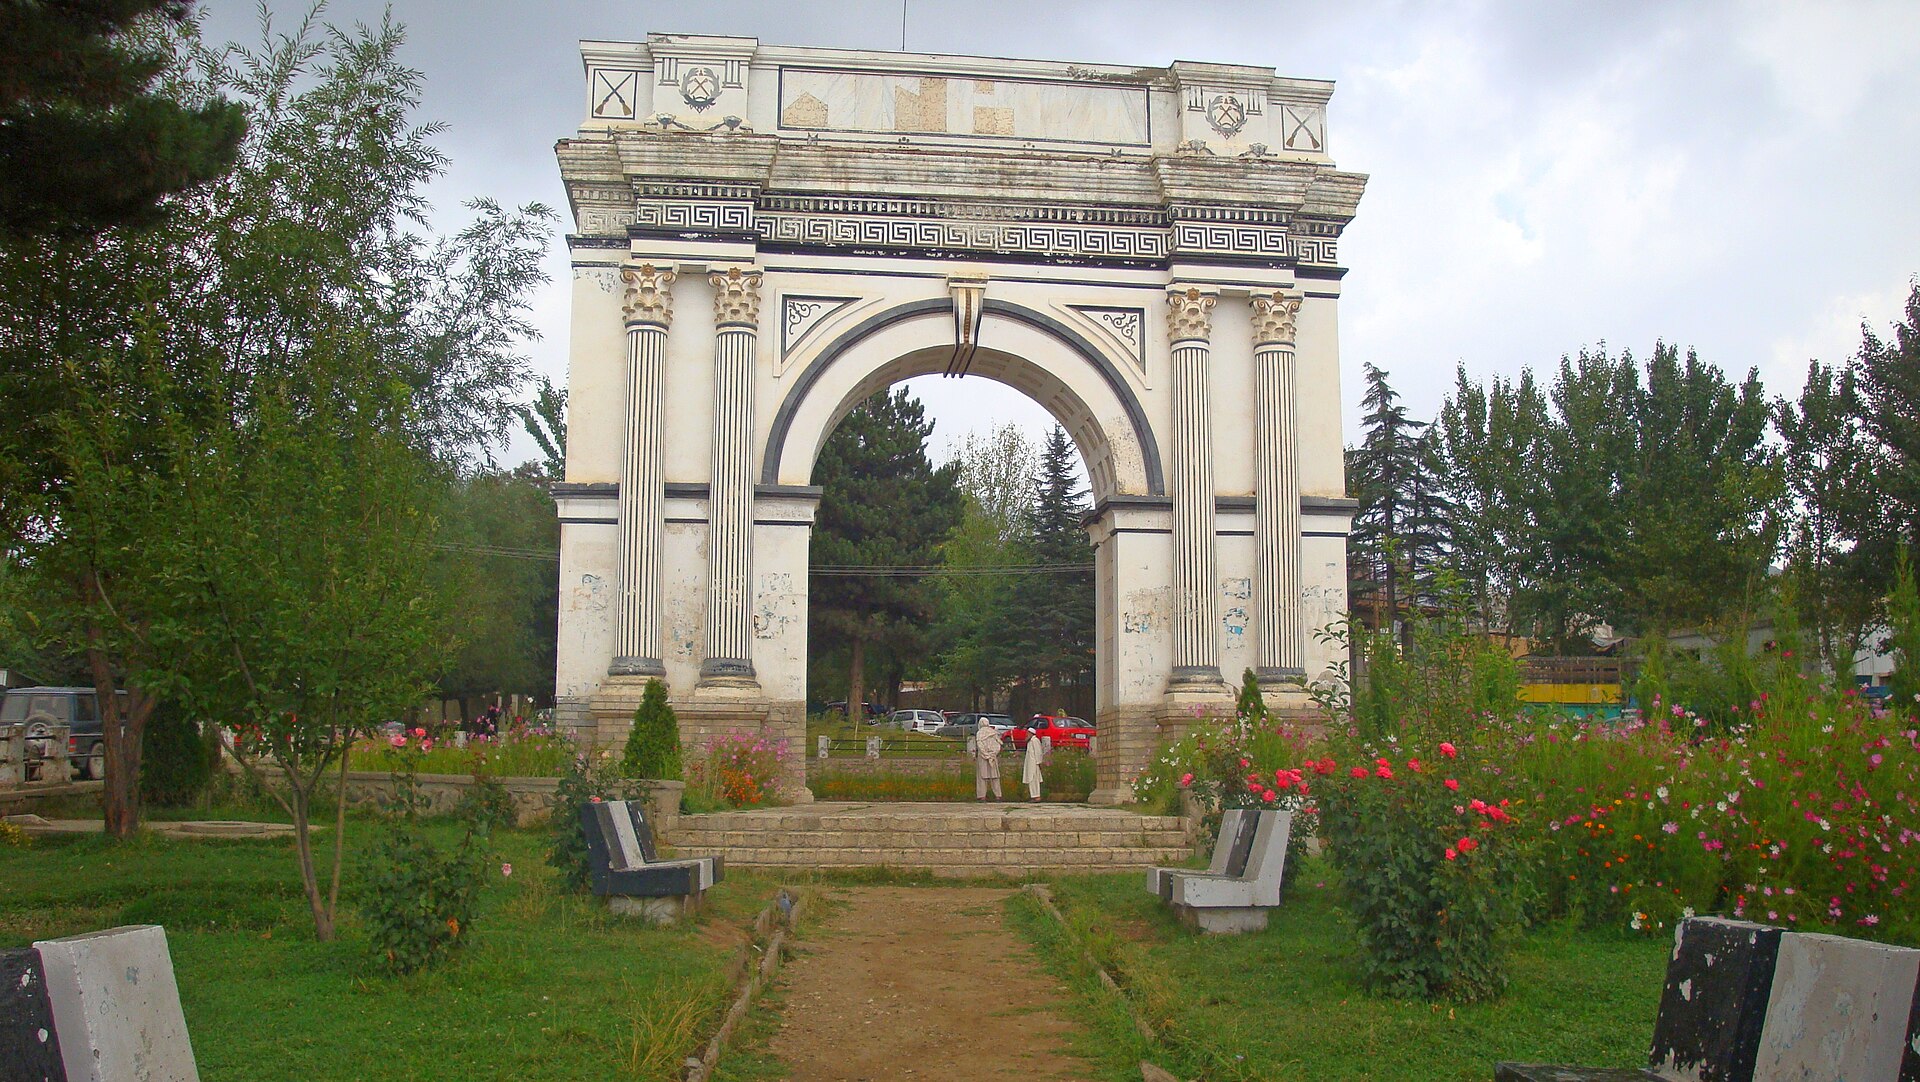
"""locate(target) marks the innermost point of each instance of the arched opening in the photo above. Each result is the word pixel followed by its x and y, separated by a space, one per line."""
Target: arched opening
pixel 1110 454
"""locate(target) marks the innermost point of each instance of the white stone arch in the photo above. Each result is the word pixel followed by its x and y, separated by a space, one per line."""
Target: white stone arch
pixel 1069 376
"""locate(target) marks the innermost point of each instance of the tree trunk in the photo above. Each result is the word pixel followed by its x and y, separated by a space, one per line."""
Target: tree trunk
pixel 856 680
pixel 303 849
pixel 122 731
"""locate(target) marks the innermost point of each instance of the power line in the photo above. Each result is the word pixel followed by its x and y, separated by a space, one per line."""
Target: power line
pixel 870 571
pixel 919 570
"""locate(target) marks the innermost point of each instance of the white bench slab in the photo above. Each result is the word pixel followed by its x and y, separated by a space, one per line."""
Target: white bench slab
pixel 116 1006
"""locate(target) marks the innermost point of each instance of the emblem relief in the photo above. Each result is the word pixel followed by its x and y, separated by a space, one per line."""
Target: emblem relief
pixel 1190 314
pixel 700 87
pixel 649 296
pixel 1275 318
pixel 1226 114
pixel 736 297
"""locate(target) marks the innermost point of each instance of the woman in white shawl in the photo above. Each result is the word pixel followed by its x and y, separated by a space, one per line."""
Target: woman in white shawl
pixel 1038 749
pixel 986 761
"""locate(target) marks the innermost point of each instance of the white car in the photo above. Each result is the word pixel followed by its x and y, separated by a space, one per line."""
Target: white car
pixel 917 721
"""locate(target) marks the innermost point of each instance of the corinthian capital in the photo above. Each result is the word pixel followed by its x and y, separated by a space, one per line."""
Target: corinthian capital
pixel 649 294
pixel 1275 318
pixel 1189 314
pixel 736 297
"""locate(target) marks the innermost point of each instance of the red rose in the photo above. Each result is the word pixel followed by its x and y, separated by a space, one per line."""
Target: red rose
pixel 1449 750
pixel 1468 845
pixel 1358 772
pixel 1451 784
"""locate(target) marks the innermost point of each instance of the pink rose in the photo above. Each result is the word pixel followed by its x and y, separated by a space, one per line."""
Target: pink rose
pixel 1186 780
pixel 506 869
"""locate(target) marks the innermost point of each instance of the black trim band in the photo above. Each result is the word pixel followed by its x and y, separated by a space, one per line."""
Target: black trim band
pixel 790 406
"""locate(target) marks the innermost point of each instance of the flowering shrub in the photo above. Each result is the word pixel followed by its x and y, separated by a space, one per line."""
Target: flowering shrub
pixel 587 779
pixel 523 751
pixel 1427 852
pixel 1806 814
pixel 417 899
pixel 738 771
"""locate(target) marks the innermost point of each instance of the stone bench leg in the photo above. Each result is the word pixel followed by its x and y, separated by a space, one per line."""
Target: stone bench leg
pixel 663 910
pixel 1222 920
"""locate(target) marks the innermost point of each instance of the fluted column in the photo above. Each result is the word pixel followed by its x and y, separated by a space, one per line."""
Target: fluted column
pixel 1196 620
pixel 736 319
pixel 649 310
pixel 1276 524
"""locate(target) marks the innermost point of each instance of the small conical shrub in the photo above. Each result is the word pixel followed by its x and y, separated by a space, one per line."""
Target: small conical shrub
pixel 1252 705
pixel 653 745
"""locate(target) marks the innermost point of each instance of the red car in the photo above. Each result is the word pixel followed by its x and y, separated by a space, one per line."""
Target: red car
pixel 1065 732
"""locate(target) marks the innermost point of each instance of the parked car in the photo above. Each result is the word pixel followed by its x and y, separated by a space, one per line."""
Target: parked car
pixel 78 709
pixel 1065 732
pixel 874 711
pixel 917 721
pixel 965 725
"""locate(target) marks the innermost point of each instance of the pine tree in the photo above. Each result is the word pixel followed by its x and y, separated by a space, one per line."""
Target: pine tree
pixel 1053 616
pixel 1399 532
pixel 85 142
pixel 883 506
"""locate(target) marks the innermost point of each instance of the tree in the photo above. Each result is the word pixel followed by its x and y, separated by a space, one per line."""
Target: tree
pixel 978 652
pixel 1489 447
pixel 1887 406
pixel 1647 503
pixel 545 419
pixel 884 512
pixel 1052 615
pixel 1825 461
pixel 235 426
pixel 1700 490
pixel 499 531
pixel 86 142
pixel 1400 528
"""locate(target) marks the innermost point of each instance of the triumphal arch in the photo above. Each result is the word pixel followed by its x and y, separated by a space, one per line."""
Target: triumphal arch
pixel 766 236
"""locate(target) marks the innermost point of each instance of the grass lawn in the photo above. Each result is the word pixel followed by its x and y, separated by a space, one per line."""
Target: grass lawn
pixel 551 986
pixel 1286 1003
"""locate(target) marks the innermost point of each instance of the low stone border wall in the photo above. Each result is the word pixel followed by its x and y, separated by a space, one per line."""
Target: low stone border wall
pixel 533 798
pixel 919 766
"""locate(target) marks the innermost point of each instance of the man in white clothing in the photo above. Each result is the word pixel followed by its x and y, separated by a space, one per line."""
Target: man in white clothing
pixel 986 761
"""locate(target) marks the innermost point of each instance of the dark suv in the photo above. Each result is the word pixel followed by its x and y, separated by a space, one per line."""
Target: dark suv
pixel 76 708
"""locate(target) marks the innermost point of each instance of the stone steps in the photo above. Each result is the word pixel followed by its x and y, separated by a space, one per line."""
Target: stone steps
pixel 947 839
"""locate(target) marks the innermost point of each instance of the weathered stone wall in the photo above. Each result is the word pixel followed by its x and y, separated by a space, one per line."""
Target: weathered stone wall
pixel 920 767
pixel 533 798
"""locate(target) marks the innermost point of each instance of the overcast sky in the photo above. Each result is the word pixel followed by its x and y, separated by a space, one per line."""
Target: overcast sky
pixel 1742 178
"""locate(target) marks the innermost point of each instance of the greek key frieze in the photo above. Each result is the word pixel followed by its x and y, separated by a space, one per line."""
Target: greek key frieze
pixel 1229 239
pixel 736 217
pixel 1033 237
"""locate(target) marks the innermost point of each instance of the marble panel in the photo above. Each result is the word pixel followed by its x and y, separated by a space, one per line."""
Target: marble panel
pixel 819 99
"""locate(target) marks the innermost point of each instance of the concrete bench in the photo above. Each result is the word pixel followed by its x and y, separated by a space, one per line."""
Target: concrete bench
pixel 102 1006
pixel 1749 1003
pixel 1242 880
pixel 624 868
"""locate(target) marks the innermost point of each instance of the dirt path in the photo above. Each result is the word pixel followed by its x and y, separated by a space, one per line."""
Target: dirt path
pixel 922 983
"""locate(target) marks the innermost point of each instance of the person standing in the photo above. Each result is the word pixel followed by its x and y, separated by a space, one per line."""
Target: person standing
pixel 1039 749
pixel 986 761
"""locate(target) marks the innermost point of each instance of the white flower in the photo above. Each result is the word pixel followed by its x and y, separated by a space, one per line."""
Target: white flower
pixel 1661 792
pixel 1720 806
pixel 1687 912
